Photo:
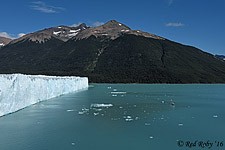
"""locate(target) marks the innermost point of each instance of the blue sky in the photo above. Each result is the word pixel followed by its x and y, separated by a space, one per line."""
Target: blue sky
pixel 199 23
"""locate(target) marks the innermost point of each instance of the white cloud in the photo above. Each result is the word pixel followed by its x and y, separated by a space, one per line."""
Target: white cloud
pixel 75 25
pixel 43 7
pixel 5 34
pixel 174 24
pixel 97 23
pixel 11 36
pixel 21 34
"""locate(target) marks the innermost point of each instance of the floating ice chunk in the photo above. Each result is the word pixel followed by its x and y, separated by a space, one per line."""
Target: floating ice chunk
pixel 118 92
pixel 215 116
pixel 97 109
pixel 180 124
pixel 81 112
pixel 69 110
pixel 147 124
pixel 115 119
pixel 96 113
pixel 101 105
pixel 73 143
pixel 114 95
pixel 151 137
pixel 127 119
pixel 109 87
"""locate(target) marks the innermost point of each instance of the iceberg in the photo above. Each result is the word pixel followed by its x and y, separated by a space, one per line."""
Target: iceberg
pixel 18 91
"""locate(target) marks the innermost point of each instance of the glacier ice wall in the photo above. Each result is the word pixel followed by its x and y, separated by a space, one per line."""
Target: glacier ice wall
pixel 18 91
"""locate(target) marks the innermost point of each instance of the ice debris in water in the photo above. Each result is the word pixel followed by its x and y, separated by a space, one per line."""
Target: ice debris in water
pixel 180 124
pixel 101 105
pixel 147 124
pixel 96 113
pixel 128 118
pixel 84 110
pixel 215 116
pixel 118 92
pixel 69 110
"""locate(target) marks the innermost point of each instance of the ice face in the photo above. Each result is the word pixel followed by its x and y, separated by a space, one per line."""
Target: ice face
pixel 18 91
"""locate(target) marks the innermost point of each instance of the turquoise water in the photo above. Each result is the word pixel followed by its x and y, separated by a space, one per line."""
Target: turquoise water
pixel 121 117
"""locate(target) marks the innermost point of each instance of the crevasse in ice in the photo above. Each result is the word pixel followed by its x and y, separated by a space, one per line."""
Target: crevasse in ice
pixel 18 91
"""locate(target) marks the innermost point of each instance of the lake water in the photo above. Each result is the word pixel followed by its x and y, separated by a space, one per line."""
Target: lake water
pixel 120 117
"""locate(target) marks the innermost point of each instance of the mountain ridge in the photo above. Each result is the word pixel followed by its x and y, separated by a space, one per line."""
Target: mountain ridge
pixel 4 41
pixel 111 55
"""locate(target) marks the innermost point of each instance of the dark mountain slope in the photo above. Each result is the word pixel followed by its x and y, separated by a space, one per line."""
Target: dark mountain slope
pixel 27 56
pixel 110 53
pixel 74 57
pixel 133 58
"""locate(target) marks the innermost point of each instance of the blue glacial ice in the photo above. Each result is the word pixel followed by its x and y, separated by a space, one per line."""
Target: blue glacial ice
pixel 18 91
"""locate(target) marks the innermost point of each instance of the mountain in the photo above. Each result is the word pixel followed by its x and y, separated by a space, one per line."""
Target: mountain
pixel 111 53
pixel 62 33
pixel 4 41
pixel 220 57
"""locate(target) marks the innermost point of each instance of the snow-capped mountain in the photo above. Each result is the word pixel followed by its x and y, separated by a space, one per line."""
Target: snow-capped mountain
pixel 112 53
pixel 62 33
pixel 112 30
pixel 4 41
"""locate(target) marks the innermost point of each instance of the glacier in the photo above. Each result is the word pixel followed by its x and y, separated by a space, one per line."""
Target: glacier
pixel 18 91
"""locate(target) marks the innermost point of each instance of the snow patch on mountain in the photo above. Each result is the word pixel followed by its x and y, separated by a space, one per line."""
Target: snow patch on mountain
pixel 56 33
